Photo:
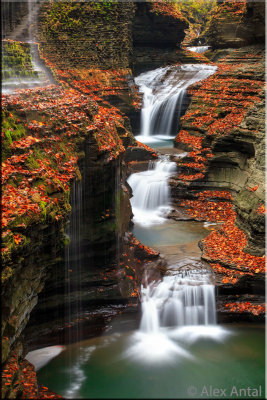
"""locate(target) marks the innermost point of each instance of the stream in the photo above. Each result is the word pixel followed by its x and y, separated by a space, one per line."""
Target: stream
pixel 179 351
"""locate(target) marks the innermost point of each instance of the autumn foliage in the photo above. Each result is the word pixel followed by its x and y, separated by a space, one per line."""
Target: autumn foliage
pixel 219 104
pixel 213 206
pixel 41 158
pixel 166 8
pixel 227 245
pixel 241 307
pixel 19 379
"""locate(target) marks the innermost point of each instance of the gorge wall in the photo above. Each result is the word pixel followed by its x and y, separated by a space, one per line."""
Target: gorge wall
pixel 222 177
pixel 236 23
pixel 60 142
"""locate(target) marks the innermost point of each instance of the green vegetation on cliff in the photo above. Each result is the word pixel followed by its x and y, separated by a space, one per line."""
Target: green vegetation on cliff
pixel 197 12
pixel 16 60
pixel 87 34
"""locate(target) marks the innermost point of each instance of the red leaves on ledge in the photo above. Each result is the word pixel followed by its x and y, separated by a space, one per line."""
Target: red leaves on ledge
pixel 192 141
pixel 227 245
pixel 240 307
pixel 205 208
pixel 261 210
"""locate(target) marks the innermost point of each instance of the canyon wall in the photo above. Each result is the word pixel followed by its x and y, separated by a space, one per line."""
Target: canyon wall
pixel 236 23
pixel 223 176
pixel 61 141
pixel 65 146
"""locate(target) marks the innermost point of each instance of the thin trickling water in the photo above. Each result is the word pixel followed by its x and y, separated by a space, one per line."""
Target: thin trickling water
pixel 73 256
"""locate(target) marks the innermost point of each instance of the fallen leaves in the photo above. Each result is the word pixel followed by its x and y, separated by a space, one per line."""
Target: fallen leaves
pixel 230 276
pixel 203 210
pixel 194 142
pixel 227 245
pixel 261 210
pixel 165 8
pixel 240 307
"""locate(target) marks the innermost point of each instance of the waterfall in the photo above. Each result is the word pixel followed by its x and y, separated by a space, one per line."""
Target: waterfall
pixel 151 192
pixel 182 305
pixel 34 73
pixel 176 312
pixel 184 299
pixel 73 267
pixel 164 91
pixel 198 49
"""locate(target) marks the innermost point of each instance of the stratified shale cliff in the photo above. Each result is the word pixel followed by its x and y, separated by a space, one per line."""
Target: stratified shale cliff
pixel 236 23
pixel 158 29
pixel 222 178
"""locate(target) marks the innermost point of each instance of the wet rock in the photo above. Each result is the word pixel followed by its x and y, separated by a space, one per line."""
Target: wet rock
pixel 237 24
pixel 139 154
pixel 236 165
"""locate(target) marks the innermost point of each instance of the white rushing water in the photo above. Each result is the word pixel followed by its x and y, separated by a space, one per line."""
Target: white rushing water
pixel 164 90
pixel 151 192
pixel 176 312
pixel 181 307
pixel 186 298
pixel 198 49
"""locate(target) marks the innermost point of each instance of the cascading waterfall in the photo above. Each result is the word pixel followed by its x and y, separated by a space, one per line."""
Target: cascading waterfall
pixel 198 49
pixel 182 300
pixel 176 312
pixel 164 91
pixel 186 298
pixel 151 192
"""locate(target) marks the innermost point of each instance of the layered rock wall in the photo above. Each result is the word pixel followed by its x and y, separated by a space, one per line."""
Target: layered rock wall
pixel 158 29
pixel 236 23
pixel 222 177
pixel 87 34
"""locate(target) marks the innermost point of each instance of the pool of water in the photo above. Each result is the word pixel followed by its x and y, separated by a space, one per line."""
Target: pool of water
pixel 188 364
pixel 170 232
pixel 156 141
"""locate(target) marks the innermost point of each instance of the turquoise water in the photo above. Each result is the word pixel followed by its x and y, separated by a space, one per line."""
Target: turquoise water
pixel 189 362
pixel 170 232
pixel 157 141
pixel 117 366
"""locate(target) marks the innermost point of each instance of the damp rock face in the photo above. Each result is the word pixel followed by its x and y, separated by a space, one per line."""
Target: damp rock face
pixel 67 204
pixel 16 60
pixel 236 24
pixel 222 177
pixel 12 14
pixel 157 27
pixel 88 34
pixel 157 32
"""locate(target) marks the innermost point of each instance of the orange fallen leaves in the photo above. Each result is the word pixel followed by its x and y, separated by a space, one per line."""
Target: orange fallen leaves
pixel 227 245
pixel 229 275
pixel 209 207
pixel 253 189
pixel 165 8
pixel 240 307
pixel 261 209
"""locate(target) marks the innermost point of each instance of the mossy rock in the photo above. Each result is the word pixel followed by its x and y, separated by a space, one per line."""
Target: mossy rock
pixel 16 60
